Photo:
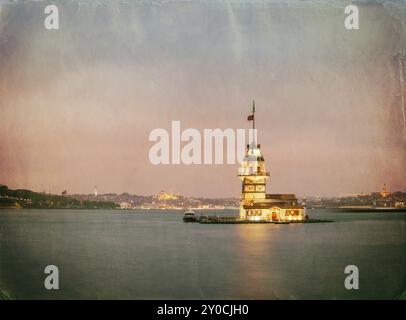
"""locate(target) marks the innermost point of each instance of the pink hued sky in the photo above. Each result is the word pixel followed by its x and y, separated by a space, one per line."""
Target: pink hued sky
pixel 77 104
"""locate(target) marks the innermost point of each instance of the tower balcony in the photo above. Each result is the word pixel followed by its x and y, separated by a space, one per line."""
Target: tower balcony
pixel 247 172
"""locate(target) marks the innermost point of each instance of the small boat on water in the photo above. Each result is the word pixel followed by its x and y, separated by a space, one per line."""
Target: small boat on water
pixel 189 216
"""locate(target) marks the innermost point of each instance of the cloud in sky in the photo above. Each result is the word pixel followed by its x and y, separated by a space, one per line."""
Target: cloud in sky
pixel 77 104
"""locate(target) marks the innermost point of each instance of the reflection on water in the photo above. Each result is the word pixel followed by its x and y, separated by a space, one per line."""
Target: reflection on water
pixel 147 255
pixel 255 247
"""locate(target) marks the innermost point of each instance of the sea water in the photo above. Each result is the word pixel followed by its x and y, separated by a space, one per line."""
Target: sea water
pixel 147 254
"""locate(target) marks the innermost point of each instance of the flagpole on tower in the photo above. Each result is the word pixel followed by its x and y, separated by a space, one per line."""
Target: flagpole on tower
pixel 253 121
pixel 253 113
pixel 251 117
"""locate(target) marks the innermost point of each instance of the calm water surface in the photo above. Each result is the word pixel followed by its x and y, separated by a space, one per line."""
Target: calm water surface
pixel 133 254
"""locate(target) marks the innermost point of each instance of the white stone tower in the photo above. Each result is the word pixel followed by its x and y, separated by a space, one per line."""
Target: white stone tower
pixel 252 172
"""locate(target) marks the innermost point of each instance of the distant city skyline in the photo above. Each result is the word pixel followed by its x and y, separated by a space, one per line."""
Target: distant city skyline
pixel 78 104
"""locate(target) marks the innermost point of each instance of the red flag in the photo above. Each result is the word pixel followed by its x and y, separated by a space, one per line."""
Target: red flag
pixel 250 117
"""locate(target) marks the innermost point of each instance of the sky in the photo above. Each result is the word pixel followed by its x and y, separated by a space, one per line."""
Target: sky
pixel 77 104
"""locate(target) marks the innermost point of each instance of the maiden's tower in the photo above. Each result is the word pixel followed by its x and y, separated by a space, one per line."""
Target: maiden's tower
pixel 256 204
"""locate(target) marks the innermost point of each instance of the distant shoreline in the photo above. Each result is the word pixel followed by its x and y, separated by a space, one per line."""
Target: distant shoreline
pixel 119 209
pixel 22 198
pixel 156 210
